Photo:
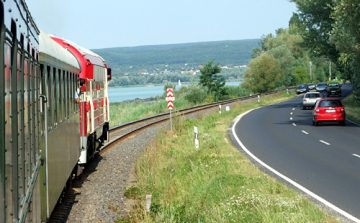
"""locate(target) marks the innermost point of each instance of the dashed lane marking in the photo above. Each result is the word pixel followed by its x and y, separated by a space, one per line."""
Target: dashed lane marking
pixel 290 118
pixel 305 132
pixel 294 124
pixel 326 143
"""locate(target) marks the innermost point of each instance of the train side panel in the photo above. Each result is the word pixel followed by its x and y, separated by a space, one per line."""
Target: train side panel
pixel 19 127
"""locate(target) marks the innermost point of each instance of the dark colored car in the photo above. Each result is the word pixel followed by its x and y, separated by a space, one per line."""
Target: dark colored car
pixel 333 88
pixel 311 86
pixel 321 87
pixel 302 88
pixel 329 110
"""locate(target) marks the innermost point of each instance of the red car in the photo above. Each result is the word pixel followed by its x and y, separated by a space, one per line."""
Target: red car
pixel 329 110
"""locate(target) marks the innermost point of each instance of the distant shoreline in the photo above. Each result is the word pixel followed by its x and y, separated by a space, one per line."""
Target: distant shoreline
pixel 151 85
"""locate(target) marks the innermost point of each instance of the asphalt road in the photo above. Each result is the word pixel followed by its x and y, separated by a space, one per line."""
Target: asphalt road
pixel 323 160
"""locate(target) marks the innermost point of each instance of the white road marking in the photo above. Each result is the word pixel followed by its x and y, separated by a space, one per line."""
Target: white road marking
pixel 326 143
pixel 305 190
pixel 290 118
pixel 293 109
pixel 356 155
pixel 305 132
pixel 294 124
pixel 291 113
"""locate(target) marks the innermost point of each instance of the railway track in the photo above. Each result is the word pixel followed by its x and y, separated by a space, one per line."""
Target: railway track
pixel 120 133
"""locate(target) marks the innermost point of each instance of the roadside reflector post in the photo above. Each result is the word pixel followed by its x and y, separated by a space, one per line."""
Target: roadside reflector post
pixel 220 109
pixel 258 98
pixel 170 99
pixel 148 202
pixel 196 137
pixel 287 91
pixel 170 121
pixel 227 108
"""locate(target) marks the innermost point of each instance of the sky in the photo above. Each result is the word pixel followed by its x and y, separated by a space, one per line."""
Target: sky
pixel 95 24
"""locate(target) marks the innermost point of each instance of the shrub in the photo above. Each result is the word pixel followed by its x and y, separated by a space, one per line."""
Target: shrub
pixel 195 94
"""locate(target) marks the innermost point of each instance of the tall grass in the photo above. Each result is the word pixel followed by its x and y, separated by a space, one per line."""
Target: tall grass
pixel 214 183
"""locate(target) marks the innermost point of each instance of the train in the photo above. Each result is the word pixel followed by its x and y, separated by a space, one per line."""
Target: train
pixel 46 135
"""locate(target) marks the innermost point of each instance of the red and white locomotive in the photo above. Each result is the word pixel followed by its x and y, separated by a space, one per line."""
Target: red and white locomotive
pixel 94 100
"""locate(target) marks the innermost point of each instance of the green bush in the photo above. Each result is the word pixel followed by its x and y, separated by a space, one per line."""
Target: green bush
pixel 195 94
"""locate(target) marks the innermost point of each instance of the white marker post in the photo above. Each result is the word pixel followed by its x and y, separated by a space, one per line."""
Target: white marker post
pixel 148 202
pixel 196 137
pixel 170 99
pixel 227 108
pixel 258 98
pixel 220 109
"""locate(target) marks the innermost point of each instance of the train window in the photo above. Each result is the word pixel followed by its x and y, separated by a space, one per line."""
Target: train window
pixel 108 74
pixel 55 96
pixel 60 95
pixel 49 97
pixel 68 94
pixel 71 103
pixel 64 96
pixel 74 88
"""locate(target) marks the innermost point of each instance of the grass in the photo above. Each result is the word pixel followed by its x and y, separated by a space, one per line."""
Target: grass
pixel 125 112
pixel 214 183
pixel 352 108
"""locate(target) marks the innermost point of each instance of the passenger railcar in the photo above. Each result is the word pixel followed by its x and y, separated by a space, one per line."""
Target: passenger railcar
pixel 94 102
pixel 20 153
pixel 44 133
pixel 59 118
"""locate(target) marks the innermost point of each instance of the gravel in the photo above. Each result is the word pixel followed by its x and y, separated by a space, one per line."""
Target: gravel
pixel 101 189
pixel 99 194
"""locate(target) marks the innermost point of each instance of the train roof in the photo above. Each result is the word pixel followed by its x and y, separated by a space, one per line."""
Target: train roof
pixel 51 48
pixel 86 53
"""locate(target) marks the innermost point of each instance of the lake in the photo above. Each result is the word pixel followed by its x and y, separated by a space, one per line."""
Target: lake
pixel 130 93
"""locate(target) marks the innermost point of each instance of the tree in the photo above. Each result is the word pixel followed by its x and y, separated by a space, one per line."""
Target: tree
pixel 346 37
pixel 263 74
pixel 315 17
pixel 211 79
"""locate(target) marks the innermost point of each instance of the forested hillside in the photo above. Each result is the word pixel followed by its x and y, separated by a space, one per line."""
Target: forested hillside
pixel 160 63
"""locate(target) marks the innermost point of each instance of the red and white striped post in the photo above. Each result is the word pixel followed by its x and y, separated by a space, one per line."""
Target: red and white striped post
pixel 170 99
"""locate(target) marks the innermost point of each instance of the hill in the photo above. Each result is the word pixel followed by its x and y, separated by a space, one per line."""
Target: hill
pixel 160 59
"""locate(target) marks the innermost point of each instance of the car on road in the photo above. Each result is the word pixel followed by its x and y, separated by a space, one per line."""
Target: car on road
pixel 310 99
pixel 321 86
pixel 333 88
pixel 302 88
pixel 311 86
pixel 329 110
